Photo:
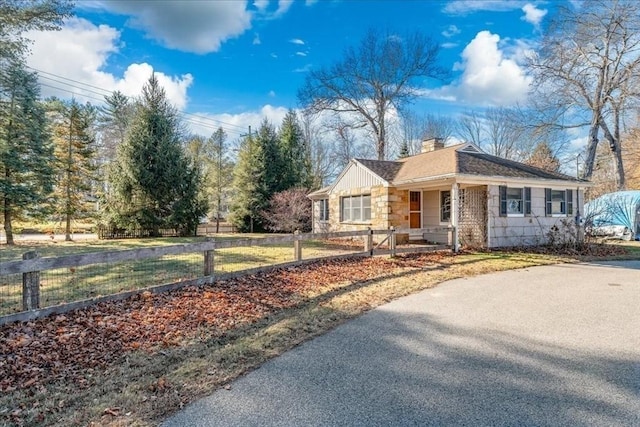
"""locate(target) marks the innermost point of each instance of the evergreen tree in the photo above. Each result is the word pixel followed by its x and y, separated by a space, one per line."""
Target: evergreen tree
pixel 19 16
pixel 543 158
pixel 272 162
pixel 154 184
pixel 74 142
pixel 293 153
pixel 113 122
pixel 217 172
pixel 26 155
pixel 249 186
pixel 404 150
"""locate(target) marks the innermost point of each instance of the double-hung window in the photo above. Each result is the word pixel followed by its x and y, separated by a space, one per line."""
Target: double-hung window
pixel 558 202
pixel 515 201
pixel 323 208
pixel 355 208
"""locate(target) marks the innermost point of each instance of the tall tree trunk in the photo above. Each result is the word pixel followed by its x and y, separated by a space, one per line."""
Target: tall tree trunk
pixel 67 230
pixel 592 145
pixel 381 143
pixel 8 228
pixel 616 149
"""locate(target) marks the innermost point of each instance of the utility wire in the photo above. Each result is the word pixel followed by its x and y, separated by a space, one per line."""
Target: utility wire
pixel 203 121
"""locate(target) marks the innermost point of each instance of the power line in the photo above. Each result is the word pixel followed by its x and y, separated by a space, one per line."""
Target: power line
pixel 204 121
pixel 184 119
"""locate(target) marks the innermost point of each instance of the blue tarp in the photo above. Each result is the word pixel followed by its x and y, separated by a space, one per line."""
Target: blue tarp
pixel 620 209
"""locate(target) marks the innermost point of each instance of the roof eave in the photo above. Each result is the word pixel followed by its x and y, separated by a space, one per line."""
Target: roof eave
pixel 497 180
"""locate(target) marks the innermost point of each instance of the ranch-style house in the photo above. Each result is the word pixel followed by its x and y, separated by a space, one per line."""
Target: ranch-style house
pixel 455 195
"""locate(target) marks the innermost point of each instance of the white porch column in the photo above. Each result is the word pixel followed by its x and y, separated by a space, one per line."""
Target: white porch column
pixel 454 215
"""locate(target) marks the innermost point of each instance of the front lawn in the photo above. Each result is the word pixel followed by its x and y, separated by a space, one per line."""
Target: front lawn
pixel 134 362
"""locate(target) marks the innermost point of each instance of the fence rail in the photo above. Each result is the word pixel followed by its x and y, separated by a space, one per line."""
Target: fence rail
pixel 59 284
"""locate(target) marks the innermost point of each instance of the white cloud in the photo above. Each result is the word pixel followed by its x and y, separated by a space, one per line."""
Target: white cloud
pixel 488 77
pixel 191 26
pixel 261 5
pixel 449 45
pixel 310 2
pixel 272 94
pixel 301 54
pixel 451 31
pixel 233 123
pixel 256 39
pixel 283 7
pixel 464 7
pixel 533 15
pixel 85 48
pixel 304 69
pixel 296 41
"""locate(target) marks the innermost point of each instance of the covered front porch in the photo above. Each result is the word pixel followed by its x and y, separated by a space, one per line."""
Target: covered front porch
pixel 447 213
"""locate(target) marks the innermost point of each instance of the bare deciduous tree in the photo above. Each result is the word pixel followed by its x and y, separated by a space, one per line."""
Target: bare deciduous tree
pixel 469 128
pixel 415 128
pixel 587 71
pixel 380 75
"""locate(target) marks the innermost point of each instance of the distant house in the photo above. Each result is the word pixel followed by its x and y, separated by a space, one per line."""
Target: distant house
pixel 489 201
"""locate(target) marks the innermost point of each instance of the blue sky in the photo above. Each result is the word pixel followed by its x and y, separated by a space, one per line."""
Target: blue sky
pixel 231 63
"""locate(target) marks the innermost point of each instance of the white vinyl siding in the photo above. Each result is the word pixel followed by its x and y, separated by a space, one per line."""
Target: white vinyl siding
pixel 357 176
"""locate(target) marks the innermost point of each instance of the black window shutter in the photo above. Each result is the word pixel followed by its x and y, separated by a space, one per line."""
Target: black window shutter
pixel 527 200
pixel 569 202
pixel 547 201
pixel 503 200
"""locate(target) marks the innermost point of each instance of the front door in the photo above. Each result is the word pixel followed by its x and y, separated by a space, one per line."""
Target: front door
pixel 415 209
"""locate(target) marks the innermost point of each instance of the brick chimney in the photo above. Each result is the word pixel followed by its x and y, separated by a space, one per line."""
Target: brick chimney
pixel 432 144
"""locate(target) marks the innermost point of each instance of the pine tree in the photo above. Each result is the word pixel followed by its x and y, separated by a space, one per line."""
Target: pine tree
pixel 249 186
pixel 153 184
pixel 292 152
pixel 217 172
pixel 113 122
pixel 74 142
pixel 19 16
pixel 26 154
pixel 542 157
pixel 404 150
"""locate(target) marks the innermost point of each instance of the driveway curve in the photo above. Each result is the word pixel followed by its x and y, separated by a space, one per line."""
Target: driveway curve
pixel 553 345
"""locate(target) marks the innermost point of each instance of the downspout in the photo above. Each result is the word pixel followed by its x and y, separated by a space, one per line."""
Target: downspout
pixel 489 217
pixel 454 216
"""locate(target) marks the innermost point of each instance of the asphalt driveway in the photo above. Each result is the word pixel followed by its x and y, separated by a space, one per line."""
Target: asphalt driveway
pixel 554 346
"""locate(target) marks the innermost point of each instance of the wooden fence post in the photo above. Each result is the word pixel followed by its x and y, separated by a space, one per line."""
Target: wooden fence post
pixel 297 245
pixel 368 242
pixel 392 242
pixel 209 262
pixel 30 285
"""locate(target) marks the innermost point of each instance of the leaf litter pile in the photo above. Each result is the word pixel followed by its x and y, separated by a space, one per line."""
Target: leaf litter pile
pixel 72 347
pixel 71 350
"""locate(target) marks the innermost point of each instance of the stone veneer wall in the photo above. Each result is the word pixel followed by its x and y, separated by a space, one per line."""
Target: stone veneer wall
pixel 381 199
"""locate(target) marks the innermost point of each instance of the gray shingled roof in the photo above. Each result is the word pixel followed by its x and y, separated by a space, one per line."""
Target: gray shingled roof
pixel 451 160
pixel 385 169
pixel 485 164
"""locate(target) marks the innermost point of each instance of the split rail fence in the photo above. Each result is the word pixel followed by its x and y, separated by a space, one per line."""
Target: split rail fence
pixel 35 287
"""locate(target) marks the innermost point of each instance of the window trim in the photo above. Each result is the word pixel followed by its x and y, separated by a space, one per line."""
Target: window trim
pixel 525 201
pixel 364 210
pixel 323 210
pixel 566 205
